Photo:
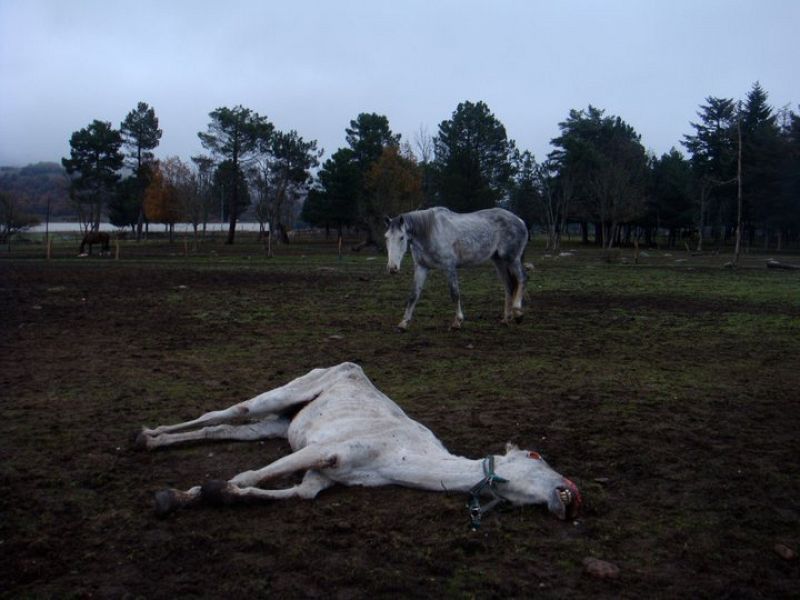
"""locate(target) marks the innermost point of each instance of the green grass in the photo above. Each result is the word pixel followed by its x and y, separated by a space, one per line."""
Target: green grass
pixel 667 390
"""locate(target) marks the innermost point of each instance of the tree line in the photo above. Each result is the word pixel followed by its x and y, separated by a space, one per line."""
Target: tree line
pixel 249 158
pixel 740 171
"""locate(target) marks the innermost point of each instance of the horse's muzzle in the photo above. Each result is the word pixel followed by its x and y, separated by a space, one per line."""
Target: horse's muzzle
pixel 392 269
pixel 571 499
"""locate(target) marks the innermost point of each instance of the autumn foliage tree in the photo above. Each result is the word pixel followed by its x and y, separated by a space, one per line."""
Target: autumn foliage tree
pixel 165 196
pixel 393 185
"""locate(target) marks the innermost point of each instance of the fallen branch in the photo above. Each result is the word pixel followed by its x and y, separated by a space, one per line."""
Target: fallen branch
pixel 776 264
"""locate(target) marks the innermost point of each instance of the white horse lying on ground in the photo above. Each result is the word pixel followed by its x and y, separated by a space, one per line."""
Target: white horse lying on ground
pixel 344 430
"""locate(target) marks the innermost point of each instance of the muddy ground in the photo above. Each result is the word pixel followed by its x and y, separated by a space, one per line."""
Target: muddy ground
pixel 668 391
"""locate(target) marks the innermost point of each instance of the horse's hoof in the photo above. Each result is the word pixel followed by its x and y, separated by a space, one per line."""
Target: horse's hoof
pixel 138 440
pixel 401 328
pixel 217 492
pixel 517 319
pixel 165 502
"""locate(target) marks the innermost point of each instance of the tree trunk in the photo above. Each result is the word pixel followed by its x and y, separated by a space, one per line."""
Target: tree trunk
pixel 231 228
pixel 234 201
pixel 738 246
pixel 702 220
pixel 139 224
pixel 283 233
pixel 613 229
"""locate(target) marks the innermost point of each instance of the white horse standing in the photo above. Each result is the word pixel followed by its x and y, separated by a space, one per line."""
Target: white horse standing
pixel 441 239
pixel 348 432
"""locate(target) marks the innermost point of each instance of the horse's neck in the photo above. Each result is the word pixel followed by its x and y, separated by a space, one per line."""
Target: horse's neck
pixel 442 472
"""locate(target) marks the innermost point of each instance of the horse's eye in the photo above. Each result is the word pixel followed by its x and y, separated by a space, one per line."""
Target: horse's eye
pixel 402 237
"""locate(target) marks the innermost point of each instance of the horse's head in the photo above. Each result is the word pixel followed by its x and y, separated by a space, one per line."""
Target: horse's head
pixel 396 242
pixel 532 481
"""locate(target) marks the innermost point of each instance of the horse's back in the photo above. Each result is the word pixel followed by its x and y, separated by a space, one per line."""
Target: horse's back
pixel 499 231
pixel 351 407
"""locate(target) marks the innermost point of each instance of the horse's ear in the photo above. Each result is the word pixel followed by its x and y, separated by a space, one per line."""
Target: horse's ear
pixel 387 220
pixel 401 221
pixel 511 447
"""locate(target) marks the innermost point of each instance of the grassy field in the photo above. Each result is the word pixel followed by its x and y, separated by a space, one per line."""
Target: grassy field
pixel 667 390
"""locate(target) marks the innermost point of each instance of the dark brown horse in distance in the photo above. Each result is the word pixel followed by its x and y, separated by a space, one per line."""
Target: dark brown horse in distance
pixel 95 237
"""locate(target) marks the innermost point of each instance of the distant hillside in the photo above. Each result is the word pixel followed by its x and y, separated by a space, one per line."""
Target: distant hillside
pixel 33 185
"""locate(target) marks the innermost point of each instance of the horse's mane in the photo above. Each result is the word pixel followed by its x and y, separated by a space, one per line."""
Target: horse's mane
pixel 421 223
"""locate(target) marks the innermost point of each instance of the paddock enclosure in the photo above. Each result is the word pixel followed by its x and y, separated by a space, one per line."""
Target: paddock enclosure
pixel 668 390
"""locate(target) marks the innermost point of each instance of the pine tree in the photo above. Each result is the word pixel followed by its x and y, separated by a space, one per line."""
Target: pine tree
pixel 473 158
pixel 140 135
pixel 713 153
pixel 93 166
pixel 236 135
pixel 762 148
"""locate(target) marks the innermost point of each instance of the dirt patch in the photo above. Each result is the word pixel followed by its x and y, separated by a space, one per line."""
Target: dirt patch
pixel 677 418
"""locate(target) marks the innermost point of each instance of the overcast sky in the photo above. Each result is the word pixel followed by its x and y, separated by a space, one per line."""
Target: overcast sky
pixel 314 65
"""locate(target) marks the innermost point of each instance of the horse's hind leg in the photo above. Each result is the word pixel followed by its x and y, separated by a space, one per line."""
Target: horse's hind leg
pixel 504 274
pixel 517 273
pixel 271 427
pixel 297 392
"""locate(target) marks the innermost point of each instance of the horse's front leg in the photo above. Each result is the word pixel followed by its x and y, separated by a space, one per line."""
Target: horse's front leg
pixel 455 295
pixel 420 274
pixel 243 486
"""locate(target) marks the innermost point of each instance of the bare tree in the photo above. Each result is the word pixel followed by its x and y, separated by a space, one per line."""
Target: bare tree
pixel 423 142
pixel 258 177
pixel 12 220
pixel 203 184
pixel 556 196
